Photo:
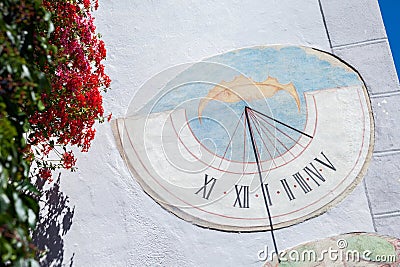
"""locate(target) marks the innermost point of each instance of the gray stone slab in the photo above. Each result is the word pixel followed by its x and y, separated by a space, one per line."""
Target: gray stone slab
pixel 383 183
pixel 375 63
pixel 352 21
pixel 386 112
pixel 388 226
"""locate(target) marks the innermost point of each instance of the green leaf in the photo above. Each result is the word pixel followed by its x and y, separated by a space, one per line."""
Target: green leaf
pixel 19 207
pixel 4 202
pixel 27 186
pixel 25 72
pixel 51 29
pixel 47 16
pixel 25 127
pixel 33 95
pixel 33 263
pixel 31 219
pixel 11 37
pixel 40 105
pixel 8 248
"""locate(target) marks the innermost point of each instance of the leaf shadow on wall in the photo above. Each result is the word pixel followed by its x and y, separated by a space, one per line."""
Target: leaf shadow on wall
pixel 55 220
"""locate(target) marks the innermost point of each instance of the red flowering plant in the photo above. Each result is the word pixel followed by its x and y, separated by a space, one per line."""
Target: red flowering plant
pixel 51 79
pixel 77 78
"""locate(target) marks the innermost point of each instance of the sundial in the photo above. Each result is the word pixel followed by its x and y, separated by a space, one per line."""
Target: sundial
pixel 253 139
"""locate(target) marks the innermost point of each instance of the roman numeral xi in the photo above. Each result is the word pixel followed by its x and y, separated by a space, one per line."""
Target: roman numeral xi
pixel 207 188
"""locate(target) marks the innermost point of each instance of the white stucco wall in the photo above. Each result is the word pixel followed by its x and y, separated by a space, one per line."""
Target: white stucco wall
pixel 115 223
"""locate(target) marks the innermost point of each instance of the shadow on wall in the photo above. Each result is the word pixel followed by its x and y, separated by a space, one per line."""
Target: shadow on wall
pixel 55 221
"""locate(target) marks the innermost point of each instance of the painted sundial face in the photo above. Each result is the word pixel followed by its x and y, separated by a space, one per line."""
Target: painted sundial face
pixel 197 137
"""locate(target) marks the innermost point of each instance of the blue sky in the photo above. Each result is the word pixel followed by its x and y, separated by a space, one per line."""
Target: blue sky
pixel 390 12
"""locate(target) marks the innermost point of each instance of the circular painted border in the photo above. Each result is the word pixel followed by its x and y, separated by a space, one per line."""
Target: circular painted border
pixel 229 228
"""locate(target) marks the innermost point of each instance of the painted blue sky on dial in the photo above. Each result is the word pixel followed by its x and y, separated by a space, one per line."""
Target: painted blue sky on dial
pixel 216 131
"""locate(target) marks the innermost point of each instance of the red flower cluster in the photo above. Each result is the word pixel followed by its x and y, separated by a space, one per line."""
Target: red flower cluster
pixel 68 160
pixel 77 78
pixel 45 173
